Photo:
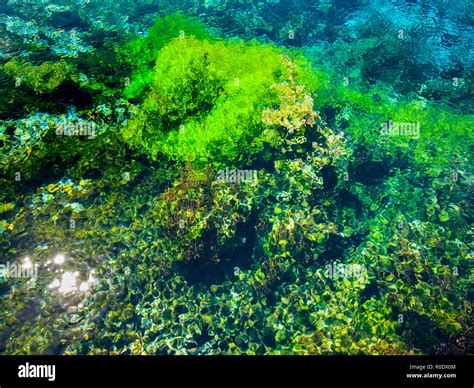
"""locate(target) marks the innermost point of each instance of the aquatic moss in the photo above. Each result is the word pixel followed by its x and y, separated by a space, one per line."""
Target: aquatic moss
pixel 202 217
pixel 42 79
pixel 141 53
pixel 206 99
pixel 362 110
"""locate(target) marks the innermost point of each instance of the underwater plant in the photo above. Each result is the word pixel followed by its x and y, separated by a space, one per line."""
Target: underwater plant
pixel 41 79
pixel 234 198
pixel 205 100
pixel 141 53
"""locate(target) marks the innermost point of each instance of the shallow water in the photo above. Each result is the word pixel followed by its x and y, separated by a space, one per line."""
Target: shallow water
pixel 235 177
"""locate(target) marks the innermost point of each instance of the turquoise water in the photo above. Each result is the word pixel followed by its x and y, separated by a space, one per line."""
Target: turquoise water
pixel 236 177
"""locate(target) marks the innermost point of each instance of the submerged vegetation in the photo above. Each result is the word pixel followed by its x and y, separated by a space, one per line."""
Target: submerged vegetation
pixel 221 195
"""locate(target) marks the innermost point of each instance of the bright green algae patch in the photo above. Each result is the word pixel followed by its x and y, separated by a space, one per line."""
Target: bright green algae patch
pixel 141 53
pixel 444 137
pixel 206 99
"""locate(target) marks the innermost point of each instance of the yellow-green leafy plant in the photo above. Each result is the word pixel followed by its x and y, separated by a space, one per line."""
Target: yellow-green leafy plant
pixel 42 79
pixel 206 100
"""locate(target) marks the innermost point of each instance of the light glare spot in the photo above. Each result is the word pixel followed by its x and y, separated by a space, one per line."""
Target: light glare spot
pixel 59 259
pixel 27 264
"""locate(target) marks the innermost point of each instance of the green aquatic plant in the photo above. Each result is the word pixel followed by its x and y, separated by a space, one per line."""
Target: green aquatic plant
pixel 206 100
pixel 6 207
pixel 141 53
pixel 42 79
pixel 201 215
pixel 343 324
pixel 442 133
